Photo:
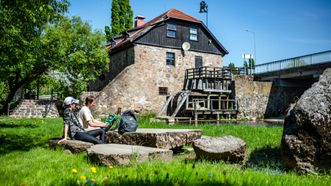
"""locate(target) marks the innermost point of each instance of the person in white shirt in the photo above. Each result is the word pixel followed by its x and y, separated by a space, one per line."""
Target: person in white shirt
pixel 85 116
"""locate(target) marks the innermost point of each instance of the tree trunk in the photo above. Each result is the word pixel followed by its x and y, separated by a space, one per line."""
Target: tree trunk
pixel 14 88
pixel 5 106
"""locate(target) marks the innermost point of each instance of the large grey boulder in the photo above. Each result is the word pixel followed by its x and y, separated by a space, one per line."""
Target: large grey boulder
pixel 74 146
pixel 227 148
pixel 306 140
pixel 119 154
pixel 173 139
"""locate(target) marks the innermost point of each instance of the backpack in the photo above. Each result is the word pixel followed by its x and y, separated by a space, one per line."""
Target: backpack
pixel 112 120
pixel 128 123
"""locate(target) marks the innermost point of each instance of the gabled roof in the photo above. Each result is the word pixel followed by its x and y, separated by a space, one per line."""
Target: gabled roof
pixel 137 32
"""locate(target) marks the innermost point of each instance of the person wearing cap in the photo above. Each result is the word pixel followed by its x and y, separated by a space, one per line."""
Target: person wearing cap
pixel 73 127
pixel 85 116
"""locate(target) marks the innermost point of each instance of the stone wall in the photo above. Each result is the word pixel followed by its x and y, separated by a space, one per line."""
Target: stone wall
pixel 84 94
pixel 30 108
pixel 252 97
pixel 137 86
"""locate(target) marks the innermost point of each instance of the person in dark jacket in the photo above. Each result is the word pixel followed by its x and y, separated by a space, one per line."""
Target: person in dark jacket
pixel 74 129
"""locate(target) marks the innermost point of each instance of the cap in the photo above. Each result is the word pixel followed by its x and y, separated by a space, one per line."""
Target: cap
pixel 70 100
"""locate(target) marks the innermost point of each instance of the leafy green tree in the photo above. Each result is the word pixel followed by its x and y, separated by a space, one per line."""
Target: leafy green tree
pixel 251 63
pixel 36 39
pixel 126 15
pixel 21 50
pixel 81 54
pixel 109 35
pixel 233 68
pixel 246 67
pixel 121 18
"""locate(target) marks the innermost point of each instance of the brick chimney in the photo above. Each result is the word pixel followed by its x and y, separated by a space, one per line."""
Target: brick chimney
pixel 139 21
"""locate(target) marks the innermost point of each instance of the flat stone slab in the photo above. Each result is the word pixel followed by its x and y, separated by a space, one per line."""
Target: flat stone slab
pixel 74 146
pixel 226 148
pixel 173 139
pixel 119 154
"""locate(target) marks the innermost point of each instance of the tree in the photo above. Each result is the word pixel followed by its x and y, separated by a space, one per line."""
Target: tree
pixel 251 63
pixel 246 67
pixel 121 18
pixel 233 68
pixel 81 53
pixel 37 39
pixel 21 25
pixel 126 15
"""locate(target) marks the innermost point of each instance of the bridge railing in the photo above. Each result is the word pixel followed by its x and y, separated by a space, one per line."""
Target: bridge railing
pixel 310 59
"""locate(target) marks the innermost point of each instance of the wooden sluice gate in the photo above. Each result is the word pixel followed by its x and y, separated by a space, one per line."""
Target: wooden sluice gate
pixel 207 93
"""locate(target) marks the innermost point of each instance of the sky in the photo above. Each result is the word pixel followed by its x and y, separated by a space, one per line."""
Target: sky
pixel 282 28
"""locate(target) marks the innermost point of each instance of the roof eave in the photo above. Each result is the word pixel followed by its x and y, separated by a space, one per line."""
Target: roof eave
pixel 212 35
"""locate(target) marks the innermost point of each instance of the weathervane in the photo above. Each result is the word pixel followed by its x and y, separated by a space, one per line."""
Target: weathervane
pixel 204 9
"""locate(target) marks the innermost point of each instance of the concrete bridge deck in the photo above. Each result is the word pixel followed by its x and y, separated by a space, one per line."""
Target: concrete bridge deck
pixel 302 67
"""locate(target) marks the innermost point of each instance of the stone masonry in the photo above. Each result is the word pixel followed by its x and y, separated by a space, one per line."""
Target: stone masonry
pixel 137 86
pixel 30 108
pixel 252 97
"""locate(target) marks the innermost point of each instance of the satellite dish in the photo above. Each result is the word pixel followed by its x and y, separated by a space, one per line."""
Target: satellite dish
pixel 186 46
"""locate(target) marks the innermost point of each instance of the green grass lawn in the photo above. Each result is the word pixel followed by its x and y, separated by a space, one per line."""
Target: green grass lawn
pixel 26 160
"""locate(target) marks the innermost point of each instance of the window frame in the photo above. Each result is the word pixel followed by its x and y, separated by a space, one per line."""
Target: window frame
pixel 163 91
pixel 170 61
pixel 191 33
pixel 171 30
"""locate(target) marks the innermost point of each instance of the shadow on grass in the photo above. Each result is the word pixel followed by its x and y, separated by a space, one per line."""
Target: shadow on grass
pixel 17 125
pixel 16 142
pixel 265 157
pixel 123 180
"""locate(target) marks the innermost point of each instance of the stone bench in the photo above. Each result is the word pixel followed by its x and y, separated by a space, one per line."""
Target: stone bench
pixel 173 139
pixel 74 146
pixel 119 154
pixel 226 148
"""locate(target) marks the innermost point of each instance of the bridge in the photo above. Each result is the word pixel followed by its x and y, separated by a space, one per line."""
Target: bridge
pixel 302 67
pixel 290 78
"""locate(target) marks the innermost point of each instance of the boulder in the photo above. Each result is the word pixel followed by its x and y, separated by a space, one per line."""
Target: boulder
pixel 119 154
pixel 306 140
pixel 173 139
pixel 227 148
pixel 74 146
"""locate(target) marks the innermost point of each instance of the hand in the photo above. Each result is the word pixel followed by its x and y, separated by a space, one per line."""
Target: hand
pixel 105 125
pixel 62 141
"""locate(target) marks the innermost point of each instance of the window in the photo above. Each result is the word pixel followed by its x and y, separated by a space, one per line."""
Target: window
pixel 198 61
pixel 163 90
pixel 170 58
pixel 193 34
pixel 171 30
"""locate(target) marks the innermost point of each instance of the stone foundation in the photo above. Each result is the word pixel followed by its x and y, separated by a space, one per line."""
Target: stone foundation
pixel 30 108
pixel 252 97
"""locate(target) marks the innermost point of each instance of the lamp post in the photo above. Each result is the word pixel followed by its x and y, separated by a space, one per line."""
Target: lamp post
pixel 254 44
pixel 204 9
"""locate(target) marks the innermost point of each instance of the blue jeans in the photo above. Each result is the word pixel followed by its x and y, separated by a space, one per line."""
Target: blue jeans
pixel 90 136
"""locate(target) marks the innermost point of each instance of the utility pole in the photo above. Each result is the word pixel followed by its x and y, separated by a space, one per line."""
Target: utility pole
pixel 255 58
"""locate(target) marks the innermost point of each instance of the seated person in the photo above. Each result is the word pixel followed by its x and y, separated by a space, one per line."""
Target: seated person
pixel 85 116
pixel 74 129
